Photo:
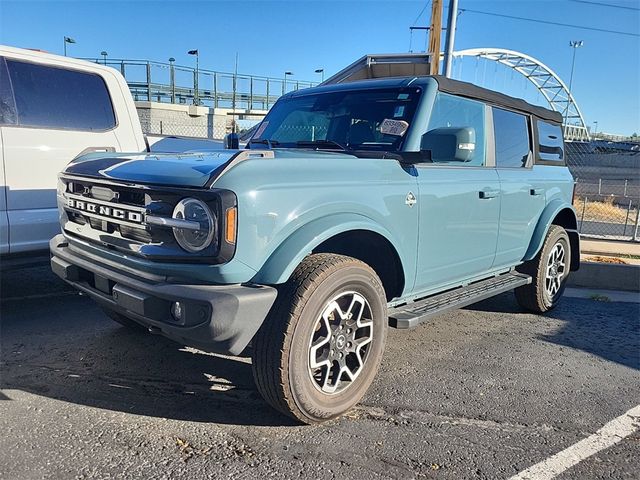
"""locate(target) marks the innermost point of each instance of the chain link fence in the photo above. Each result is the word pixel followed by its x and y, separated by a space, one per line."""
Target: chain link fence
pixel 607 195
pixel 206 128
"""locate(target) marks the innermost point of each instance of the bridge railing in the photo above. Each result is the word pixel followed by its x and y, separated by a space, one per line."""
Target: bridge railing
pixel 171 83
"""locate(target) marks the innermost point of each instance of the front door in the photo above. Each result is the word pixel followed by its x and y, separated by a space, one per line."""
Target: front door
pixel 459 201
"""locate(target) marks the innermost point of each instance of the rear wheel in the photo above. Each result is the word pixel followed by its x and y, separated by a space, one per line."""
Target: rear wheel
pixel 549 271
pixel 320 348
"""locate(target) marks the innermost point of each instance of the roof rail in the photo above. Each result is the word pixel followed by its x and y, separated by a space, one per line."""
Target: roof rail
pixel 383 65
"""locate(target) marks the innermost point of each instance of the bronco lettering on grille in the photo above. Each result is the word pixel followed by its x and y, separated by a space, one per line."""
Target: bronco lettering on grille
pixel 105 210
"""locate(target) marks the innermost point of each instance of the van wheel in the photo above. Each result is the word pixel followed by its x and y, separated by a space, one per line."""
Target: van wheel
pixel 122 319
pixel 549 271
pixel 320 347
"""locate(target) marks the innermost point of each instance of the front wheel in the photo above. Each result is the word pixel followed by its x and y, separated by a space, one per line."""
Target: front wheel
pixel 321 345
pixel 549 271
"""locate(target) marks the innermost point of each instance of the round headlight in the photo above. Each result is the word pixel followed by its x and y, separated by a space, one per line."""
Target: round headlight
pixel 195 238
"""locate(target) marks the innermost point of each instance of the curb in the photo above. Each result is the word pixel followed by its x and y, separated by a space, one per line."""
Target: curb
pixel 609 276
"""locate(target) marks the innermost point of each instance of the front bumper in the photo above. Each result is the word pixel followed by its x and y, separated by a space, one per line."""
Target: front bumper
pixel 220 318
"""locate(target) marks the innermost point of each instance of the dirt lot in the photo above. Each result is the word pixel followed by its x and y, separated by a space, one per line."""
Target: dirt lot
pixel 484 392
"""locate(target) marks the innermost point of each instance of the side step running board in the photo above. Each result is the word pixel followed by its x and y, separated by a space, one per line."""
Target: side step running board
pixel 411 314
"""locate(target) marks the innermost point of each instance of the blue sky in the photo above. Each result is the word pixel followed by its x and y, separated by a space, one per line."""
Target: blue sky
pixel 271 37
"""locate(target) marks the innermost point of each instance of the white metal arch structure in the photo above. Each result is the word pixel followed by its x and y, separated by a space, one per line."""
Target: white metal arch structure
pixel 546 81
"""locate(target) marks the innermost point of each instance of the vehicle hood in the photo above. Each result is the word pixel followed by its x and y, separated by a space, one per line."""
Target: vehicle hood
pixel 191 169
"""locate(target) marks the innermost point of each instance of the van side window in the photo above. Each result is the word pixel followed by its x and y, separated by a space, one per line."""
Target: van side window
pixel 7 104
pixel 511 131
pixel 451 112
pixel 51 97
pixel 550 144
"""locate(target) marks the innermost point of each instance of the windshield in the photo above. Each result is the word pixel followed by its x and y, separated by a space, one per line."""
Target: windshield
pixel 373 119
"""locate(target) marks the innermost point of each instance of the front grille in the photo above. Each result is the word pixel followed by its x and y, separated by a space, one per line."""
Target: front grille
pixel 105 211
pixel 114 216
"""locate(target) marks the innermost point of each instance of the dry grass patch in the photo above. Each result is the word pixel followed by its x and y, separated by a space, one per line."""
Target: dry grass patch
pixel 604 210
pixel 601 259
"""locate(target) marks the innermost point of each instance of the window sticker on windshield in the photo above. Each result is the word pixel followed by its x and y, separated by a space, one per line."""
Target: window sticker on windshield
pixel 393 127
pixel 261 130
pixel 403 96
pixel 399 111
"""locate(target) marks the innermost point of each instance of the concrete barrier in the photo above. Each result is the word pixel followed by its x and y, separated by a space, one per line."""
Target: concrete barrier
pixel 609 276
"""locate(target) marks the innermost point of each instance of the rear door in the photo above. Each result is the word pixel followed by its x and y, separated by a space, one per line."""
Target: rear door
pixel 459 203
pixel 522 186
pixel 59 113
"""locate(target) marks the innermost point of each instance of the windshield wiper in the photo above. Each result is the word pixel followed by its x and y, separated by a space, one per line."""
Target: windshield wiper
pixel 265 141
pixel 320 144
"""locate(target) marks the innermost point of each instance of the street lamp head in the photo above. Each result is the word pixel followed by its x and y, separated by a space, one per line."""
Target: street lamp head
pixel 319 70
pixel 171 59
pixel 69 40
pixel 104 53
pixel 192 52
pixel 288 73
pixel 576 43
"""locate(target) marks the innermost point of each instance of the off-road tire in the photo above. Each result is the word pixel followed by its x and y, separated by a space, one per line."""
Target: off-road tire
pixel 535 296
pixel 282 346
pixel 122 319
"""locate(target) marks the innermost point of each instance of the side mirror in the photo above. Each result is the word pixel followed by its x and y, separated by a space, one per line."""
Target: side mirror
pixel 231 141
pixel 450 144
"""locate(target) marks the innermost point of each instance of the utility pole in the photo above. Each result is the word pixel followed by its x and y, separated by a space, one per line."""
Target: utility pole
pixel 435 34
pixel 451 36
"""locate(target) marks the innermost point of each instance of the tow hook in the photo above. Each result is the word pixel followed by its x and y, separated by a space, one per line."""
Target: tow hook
pixel 154 330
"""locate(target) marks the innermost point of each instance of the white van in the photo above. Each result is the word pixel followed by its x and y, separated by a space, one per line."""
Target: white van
pixel 53 109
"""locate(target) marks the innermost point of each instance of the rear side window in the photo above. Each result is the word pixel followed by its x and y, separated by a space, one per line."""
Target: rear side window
pixel 511 132
pixel 52 97
pixel 550 145
pixel 7 105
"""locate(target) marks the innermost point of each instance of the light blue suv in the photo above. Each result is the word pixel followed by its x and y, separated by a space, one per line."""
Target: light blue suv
pixel 354 207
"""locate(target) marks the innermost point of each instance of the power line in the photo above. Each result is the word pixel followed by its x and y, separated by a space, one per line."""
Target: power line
pixel 606 5
pixel 421 12
pixel 550 23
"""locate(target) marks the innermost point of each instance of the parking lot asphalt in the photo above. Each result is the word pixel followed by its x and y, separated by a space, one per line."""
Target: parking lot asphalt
pixel 483 392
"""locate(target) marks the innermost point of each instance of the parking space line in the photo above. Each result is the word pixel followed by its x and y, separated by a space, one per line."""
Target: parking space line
pixel 612 433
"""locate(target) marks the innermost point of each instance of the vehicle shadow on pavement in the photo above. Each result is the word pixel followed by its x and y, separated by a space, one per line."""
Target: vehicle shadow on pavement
pixel 609 330
pixel 613 333
pixel 65 348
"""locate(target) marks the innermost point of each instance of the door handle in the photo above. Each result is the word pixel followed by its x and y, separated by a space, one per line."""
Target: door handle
pixel 536 191
pixel 489 193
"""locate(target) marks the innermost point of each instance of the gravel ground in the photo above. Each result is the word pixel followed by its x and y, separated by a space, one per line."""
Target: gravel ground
pixel 483 392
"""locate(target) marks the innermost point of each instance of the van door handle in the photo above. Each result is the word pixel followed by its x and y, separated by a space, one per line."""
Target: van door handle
pixel 489 193
pixel 536 191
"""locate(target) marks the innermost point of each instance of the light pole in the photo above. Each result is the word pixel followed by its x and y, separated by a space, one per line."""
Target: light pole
pixel 172 79
pixel 451 36
pixel 321 72
pixel 196 95
pixel 284 83
pixel 575 44
pixel 104 56
pixel 595 130
pixel 67 40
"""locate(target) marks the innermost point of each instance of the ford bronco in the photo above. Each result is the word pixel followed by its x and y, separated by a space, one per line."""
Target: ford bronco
pixel 355 206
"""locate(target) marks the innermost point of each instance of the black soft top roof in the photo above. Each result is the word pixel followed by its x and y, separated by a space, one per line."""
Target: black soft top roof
pixel 470 90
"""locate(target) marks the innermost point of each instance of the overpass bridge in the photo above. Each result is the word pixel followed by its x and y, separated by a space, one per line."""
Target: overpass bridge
pixel 178 84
